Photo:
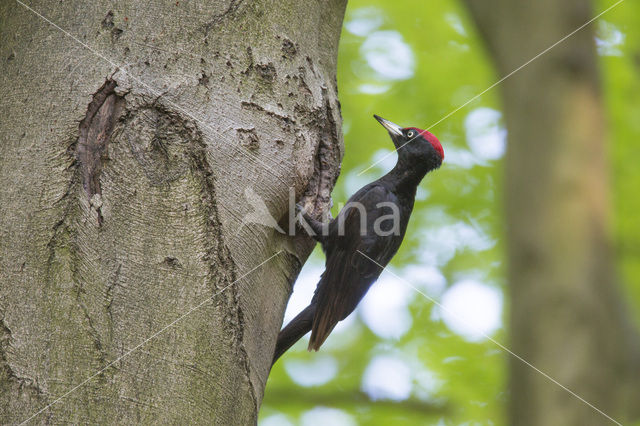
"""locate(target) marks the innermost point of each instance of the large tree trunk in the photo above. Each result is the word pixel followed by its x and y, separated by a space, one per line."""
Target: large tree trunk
pixel 125 169
pixel 566 316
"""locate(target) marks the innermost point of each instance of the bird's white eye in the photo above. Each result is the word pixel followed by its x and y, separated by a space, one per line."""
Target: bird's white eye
pixel 411 134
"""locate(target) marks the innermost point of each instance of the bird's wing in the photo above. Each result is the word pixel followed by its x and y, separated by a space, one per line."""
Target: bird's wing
pixel 348 273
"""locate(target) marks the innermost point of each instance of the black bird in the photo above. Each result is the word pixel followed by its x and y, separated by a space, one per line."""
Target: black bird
pixel 369 227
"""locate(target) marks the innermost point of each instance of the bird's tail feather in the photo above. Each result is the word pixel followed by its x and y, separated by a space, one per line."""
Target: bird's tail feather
pixel 298 327
pixel 321 328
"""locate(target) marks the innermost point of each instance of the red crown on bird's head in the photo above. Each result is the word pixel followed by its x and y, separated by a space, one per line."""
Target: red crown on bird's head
pixel 430 137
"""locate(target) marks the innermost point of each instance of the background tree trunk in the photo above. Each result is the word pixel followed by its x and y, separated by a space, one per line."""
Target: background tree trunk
pixel 566 316
pixel 125 169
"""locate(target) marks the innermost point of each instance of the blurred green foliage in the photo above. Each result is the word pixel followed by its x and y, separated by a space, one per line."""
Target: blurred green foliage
pixel 415 62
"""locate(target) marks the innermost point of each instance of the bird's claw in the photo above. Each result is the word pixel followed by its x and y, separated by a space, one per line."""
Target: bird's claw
pixel 301 212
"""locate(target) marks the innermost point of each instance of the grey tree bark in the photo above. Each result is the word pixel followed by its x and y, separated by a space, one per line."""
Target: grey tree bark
pixel 132 138
pixel 566 315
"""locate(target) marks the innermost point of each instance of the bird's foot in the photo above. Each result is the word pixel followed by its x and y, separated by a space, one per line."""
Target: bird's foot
pixel 314 228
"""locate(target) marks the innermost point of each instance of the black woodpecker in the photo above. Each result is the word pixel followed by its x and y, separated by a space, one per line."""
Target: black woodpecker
pixel 372 224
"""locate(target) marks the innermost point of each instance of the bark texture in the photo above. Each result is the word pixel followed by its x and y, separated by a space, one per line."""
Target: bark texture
pixel 566 315
pixel 126 167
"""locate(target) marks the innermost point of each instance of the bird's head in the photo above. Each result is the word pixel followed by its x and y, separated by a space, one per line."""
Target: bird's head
pixel 414 143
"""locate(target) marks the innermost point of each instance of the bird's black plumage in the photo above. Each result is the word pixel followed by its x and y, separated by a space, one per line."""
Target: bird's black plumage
pixel 372 224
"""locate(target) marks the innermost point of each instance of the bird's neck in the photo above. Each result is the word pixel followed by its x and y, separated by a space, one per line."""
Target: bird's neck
pixel 406 176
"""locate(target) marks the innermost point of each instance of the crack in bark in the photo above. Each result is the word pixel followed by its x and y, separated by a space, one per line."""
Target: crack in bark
pixel 242 351
pixel 217 19
pixel 95 132
pixel 303 87
pixel 326 158
pixel 287 121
